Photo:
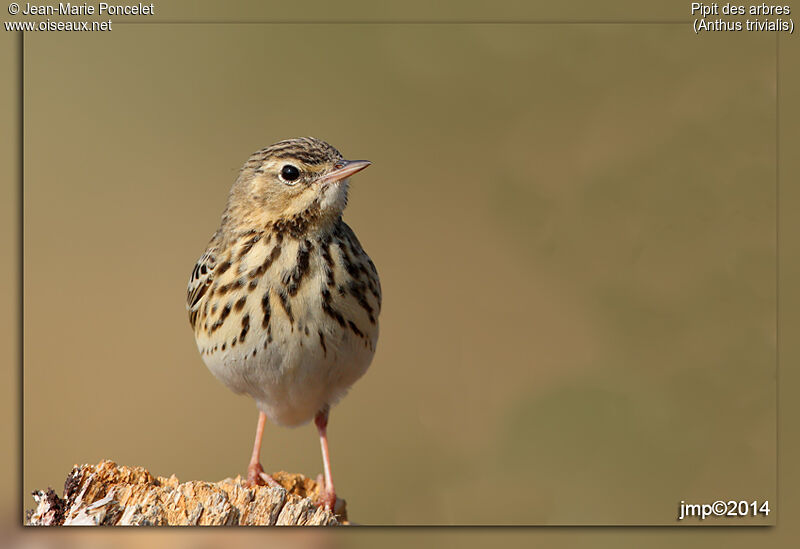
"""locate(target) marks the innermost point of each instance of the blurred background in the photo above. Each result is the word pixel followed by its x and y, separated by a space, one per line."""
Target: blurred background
pixel 574 227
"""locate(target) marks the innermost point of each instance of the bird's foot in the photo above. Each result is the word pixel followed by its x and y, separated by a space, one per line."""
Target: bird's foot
pixel 257 477
pixel 327 497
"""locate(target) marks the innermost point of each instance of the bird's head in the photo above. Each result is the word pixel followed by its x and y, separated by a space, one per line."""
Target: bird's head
pixel 292 178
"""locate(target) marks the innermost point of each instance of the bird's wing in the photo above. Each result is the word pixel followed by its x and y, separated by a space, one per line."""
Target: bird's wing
pixel 199 282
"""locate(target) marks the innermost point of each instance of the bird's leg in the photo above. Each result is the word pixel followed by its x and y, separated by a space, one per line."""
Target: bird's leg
pixel 255 473
pixel 321 421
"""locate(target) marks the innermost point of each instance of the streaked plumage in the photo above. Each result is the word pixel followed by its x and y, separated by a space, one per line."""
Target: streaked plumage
pixel 284 302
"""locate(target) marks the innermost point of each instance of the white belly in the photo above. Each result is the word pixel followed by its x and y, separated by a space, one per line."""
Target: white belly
pixel 293 378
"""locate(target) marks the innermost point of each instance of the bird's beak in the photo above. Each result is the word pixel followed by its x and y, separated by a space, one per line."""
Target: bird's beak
pixel 344 169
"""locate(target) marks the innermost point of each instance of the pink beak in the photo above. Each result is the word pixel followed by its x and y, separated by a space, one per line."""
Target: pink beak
pixel 344 169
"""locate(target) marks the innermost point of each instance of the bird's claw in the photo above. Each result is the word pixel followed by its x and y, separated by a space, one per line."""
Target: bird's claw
pixel 327 498
pixel 257 477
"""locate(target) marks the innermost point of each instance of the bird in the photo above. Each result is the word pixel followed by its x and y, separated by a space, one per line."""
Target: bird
pixel 284 302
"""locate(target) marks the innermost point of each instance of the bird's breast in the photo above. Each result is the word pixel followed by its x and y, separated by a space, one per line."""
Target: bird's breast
pixel 291 319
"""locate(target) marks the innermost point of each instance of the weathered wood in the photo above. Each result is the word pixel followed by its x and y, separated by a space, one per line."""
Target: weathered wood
pixel 111 495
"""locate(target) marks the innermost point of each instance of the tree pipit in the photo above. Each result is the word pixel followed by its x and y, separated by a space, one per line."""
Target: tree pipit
pixel 284 302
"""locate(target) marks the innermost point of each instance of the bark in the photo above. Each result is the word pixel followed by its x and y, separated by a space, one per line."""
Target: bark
pixel 116 495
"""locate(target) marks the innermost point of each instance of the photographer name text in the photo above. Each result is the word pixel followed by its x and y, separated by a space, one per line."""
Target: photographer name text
pixel 102 8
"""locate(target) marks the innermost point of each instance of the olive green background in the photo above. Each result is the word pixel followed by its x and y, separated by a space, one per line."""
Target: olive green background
pixel 574 225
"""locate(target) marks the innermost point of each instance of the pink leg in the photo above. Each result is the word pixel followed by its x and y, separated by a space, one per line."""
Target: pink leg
pixel 255 473
pixel 321 421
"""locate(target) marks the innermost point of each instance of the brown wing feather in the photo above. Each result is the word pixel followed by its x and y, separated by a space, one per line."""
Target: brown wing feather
pixel 199 282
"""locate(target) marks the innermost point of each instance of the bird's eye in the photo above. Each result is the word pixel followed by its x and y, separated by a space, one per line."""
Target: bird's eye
pixel 290 173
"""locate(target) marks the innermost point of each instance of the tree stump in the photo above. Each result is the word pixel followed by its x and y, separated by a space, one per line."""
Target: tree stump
pixel 108 494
